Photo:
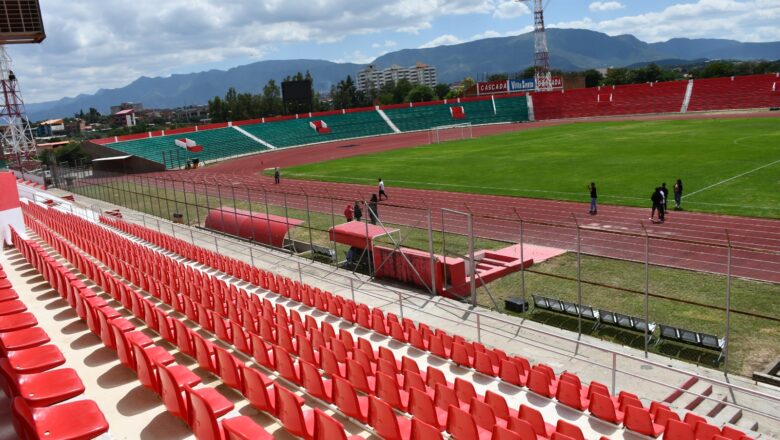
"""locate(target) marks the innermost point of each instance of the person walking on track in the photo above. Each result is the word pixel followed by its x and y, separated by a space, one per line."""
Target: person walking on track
pixel 373 209
pixel 657 198
pixel 382 189
pixel 277 176
pixel 357 211
pixel 593 198
pixel 349 212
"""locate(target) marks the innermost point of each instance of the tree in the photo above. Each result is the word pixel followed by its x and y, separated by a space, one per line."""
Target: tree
pixel 420 93
pixel 498 77
pixel 272 99
pixel 592 78
pixel 529 72
pixel 70 153
pixel 442 90
pixel 401 90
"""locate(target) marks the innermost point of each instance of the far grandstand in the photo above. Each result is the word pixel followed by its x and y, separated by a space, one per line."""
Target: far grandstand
pixel 231 139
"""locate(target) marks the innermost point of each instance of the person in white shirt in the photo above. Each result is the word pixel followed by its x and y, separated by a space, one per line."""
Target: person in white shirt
pixel 382 189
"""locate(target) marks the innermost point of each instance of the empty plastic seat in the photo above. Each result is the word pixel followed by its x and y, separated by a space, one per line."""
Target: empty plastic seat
pixel 20 321
pixel 80 419
pixel 387 390
pixel 639 420
pixel 256 390
pixel 522 428
pixel 202 416
pixel 21 339
pixel 569 429
pixel 315 386
pixel 461 426
pixel 227 368
pixel 422 408
pixel 293 418
pixel 570 394
pixel 345 397
pixel 35 359
pixel 41 389
pixel 384 420
pixel 676 430
pixel 244 428
pixel 534 417
pixel 603 407
pixel 11 307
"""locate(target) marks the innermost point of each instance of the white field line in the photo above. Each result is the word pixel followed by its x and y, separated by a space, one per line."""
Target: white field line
pixel 732 178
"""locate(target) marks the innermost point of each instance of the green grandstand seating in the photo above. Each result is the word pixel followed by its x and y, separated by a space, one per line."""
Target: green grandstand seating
pixel 217 144
pixel 509 109
pixel 298 132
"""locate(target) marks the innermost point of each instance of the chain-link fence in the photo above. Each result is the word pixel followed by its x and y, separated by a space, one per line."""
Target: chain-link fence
pixel 668 294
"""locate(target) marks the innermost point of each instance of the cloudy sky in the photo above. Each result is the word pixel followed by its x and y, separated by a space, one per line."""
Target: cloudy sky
pixel 93 44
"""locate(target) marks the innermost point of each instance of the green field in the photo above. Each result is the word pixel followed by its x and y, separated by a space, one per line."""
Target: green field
pixel 729 166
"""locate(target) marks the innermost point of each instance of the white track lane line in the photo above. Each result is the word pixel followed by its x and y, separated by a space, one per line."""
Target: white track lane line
pixel 732 178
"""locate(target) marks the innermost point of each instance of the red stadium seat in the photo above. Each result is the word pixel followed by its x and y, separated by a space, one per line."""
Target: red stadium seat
pixel 603 407
pixel 204 407
pixel 384 420
pixel 35 360
pixel 41 389
pixel 345 397
pixel 244 428
pixel 639 420
pixel 295 421
pixel 461 426
pixel 80 419
pixel 256 390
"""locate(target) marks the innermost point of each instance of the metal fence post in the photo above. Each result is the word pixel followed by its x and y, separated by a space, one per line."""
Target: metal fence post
pixel 728 305
pixel 479 329
pixel 300 273
pixel 308 221
pixel 614 373
pixel 579 277
pixel 473 262
pixel 430 251
pixel 352 288
pixel 647 285
pixel 522 262
pixel 268 218
pixel 251 216
pixel 333 225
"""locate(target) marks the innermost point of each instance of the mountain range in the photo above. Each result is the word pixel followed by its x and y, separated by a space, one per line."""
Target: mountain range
pixel 570 50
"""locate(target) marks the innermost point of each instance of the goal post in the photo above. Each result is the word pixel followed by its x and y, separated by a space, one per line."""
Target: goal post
pixel 444 133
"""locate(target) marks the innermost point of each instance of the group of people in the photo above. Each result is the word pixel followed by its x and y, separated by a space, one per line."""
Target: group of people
pixel 355 211
pixel 659 198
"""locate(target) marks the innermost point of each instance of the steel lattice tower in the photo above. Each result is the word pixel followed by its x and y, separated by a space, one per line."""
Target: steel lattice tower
pixel 17 140
pixel 541 53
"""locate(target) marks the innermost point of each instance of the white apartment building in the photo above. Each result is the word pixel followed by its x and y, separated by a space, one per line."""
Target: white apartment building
pixel 376 78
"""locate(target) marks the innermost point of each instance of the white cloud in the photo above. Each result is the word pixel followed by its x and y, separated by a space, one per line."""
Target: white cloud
pixel 605 6
pixel 443 40
pixel 748 20
pixel 95 44
pixel 510 9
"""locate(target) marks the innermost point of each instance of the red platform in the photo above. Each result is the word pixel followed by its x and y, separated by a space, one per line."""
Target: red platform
pixel 358 234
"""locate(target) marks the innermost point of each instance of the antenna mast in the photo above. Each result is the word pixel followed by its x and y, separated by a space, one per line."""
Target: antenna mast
pixel 541 53
pixel 16 136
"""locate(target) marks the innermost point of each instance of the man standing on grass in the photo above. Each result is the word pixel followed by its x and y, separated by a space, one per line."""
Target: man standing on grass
pixel 382 189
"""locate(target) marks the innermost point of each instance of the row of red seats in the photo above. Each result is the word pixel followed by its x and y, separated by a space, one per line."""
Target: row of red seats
pixel 41 393
pixel 639 422
pixel 282 361
pixel 624 409
pixel 356 374
pixel 200 408
pixel 134 348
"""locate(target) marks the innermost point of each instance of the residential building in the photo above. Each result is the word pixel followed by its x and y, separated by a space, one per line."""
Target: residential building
pixel 373 77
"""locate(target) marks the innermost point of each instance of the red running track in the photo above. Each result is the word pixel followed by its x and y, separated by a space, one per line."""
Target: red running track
pixel 687 240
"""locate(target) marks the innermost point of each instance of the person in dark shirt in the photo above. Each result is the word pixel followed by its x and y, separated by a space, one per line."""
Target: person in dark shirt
pixel 665 193
pixel 277 175
pixel 657 199
pixel 678 190
pixel 593 197
pixel 358 211
pixel 373 209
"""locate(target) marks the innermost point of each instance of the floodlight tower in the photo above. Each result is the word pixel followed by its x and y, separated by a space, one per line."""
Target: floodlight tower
pixel 16 136
pixel 541 52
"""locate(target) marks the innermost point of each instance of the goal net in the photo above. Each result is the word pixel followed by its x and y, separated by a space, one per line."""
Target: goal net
pixel 444 133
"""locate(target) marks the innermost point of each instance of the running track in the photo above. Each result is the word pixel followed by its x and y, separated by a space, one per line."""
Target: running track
pixel 687 240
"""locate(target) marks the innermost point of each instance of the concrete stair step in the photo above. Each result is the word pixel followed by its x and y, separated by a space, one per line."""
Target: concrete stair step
pixel 694 397
pixel 712 405
pixel 671 398
pixel 745 424
pixel 728 415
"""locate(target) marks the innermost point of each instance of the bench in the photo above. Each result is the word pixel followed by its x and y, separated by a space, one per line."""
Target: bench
pixel 702 340
pixel 558 306
pixel 627 322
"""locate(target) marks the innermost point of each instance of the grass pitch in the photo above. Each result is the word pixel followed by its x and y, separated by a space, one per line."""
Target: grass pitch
pixel 728 166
